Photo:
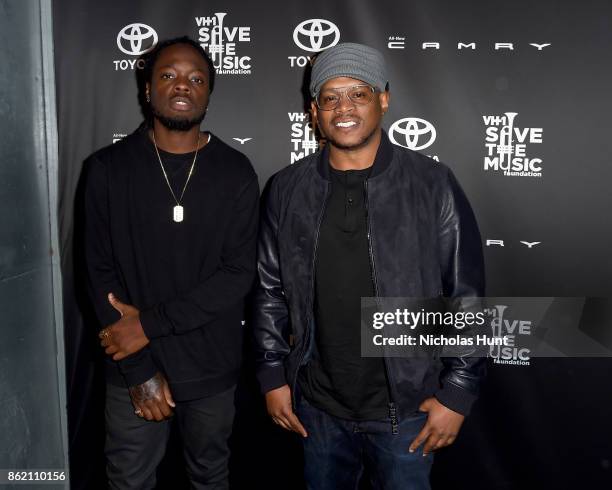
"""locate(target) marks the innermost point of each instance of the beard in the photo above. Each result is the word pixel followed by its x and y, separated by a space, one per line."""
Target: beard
pixel 178 123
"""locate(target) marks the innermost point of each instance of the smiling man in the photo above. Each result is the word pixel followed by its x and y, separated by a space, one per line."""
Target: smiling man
pixel 170 234
pixel 361 218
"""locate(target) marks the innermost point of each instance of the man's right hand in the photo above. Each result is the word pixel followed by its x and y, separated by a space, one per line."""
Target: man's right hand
pixel 278 402
pixel 152 399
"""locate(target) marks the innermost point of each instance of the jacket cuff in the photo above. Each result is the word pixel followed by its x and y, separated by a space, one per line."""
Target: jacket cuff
pixel 138 367
pixel 271 377
pixel 152 325
pixel 456 398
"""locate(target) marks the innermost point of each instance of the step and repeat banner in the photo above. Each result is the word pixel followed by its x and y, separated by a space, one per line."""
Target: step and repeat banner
pixel 513 96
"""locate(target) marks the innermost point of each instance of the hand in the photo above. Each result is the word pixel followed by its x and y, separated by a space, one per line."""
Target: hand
pixel 441 428
pixel 152 399
pixel 278 403
pixel 125 336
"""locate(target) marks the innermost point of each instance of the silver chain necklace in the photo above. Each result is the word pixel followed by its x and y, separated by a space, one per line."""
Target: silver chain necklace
pixel 178 212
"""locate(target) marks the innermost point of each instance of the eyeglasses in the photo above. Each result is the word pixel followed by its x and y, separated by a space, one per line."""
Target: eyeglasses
pixel 329 99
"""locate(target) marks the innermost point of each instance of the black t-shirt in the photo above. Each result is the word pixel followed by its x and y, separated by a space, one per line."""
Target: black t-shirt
pixel 337 379
pixel 177 166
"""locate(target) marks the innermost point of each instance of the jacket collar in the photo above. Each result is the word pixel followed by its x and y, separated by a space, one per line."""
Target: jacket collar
pixel 384 154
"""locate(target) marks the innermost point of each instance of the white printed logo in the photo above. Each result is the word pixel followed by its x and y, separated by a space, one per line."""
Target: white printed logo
pixel 399 42
pixel 118 137
pixel 530 244
pixel 318 34
pixel 500 243
pixel 136 39
pixel 413 133
pixel 506 147
pixel 303 141
pixel 513 330
pixel 221 41
pixel 242 141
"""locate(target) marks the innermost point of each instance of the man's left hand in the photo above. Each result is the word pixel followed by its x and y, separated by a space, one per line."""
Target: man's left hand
pixel 125 336
pixel 441 428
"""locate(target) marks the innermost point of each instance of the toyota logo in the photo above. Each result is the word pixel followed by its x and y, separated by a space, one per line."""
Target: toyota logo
pixel 316 31
pixel 133 37
pixel 411 130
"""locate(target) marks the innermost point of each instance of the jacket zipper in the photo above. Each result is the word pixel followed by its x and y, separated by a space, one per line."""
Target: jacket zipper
pixel 311 288
pixel 392 406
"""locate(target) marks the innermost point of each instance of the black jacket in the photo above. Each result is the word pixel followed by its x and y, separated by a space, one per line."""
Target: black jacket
pixel 189 280
pixel 423 241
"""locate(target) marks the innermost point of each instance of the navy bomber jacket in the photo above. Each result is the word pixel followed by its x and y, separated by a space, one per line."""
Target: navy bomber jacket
pixel 424 242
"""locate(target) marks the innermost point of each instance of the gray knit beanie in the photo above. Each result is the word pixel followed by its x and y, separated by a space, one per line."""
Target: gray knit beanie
pixel 349 60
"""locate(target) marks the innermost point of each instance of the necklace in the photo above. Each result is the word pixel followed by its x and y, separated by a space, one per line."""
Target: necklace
pixel 178 212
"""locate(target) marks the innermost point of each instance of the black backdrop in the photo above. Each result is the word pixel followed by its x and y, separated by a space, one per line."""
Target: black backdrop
pixel 464 71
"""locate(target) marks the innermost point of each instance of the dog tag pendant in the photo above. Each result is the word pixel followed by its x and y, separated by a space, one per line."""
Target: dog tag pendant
pixel 178 213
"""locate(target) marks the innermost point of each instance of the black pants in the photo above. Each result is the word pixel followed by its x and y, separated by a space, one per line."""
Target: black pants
pixel 134 446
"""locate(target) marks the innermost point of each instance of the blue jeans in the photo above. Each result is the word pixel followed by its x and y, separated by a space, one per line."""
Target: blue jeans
pixel 336 452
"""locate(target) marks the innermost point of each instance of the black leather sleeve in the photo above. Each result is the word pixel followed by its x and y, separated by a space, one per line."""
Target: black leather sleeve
pixel 271 314
pixel 462 269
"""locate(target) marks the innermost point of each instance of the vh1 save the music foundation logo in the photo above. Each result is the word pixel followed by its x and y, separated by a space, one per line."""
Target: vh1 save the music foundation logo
pixel 303 139
pixel 514 352
pixel 506 147
pixel 222 42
